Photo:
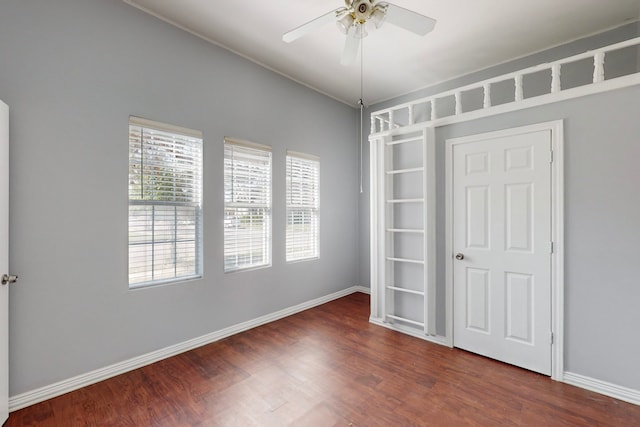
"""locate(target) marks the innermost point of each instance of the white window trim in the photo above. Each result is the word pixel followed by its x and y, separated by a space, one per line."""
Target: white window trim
pixel 164 127
pixel 316 212
pixel 228 141
pixel 198 227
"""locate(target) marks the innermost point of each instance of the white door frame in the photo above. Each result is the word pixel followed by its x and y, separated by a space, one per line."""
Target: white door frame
pixel 4 262
pixel 557 232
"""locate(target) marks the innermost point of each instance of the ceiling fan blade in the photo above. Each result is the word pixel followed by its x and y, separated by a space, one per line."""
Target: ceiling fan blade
pixel 350 47
pixel 304 29
pixel 409 20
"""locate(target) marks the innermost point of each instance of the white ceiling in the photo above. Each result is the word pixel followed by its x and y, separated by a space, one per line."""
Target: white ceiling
pixel 470 35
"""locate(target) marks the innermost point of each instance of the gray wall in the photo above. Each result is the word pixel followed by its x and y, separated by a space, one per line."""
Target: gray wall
pixel 602 207
pixel 72 72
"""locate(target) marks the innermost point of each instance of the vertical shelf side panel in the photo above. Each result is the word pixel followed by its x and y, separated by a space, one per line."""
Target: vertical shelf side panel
pixel 429 211
pixel 388 164
pixel 376 226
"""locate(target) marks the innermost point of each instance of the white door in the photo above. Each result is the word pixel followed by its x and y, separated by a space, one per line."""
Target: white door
pixel 4 261
pixel 502 248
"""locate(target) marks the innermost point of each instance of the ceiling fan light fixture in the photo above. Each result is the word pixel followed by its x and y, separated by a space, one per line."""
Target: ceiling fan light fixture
pixel 345 23
pixel 361 31
pixel 378 16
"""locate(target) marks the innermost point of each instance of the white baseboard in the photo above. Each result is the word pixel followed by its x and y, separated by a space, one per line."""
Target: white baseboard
pixel 363 289
pixel 53 390
pixel 603 387
pixel 437 339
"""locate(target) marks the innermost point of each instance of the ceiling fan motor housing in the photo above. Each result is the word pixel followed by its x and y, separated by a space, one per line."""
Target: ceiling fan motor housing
pixel 362 10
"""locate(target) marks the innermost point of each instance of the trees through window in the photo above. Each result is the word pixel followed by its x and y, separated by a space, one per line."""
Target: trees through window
pixel 247 205
pixel 165 203
pixel 303 206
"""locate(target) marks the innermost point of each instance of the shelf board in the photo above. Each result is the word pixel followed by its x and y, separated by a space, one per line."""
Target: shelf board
pixel 405 201
pixel 412 261
pixel 404 141
pixel 403 319
pixel 408 291
pixel 407 170
pixel 405 230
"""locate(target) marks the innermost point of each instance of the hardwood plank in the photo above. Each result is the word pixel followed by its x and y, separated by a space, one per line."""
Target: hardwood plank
pixel 328 366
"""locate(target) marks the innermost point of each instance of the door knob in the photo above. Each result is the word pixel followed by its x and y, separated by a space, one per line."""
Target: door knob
pixel 459 256
pixel 7 279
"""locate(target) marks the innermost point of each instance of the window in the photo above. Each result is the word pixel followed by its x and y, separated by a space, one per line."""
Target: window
pixel 165 203
pixel 247 205
pixel 303 206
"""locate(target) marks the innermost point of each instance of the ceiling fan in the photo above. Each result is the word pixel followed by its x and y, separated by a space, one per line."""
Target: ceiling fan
pixel 351 21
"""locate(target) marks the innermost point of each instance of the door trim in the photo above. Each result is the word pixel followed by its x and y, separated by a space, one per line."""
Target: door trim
pixel 557 232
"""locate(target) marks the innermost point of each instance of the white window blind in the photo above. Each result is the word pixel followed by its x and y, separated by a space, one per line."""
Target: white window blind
pixel 303 206
pixel 247 205
pixel 165 203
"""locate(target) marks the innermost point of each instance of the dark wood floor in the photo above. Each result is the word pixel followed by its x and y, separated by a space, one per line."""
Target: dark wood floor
pixel 328 367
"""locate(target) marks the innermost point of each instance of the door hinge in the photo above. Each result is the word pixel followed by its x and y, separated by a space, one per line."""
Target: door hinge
pixel 551 156
pixel 551 247
pixel 550 337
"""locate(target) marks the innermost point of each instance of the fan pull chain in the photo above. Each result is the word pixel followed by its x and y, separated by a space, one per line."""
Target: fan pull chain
pixel 361 135
pixel 361 102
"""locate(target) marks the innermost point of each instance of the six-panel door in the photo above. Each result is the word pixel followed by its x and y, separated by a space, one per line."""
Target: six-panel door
pixel 502 229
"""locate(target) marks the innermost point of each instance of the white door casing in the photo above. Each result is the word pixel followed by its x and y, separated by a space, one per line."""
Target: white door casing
pixel 4 261
pixel 501 219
